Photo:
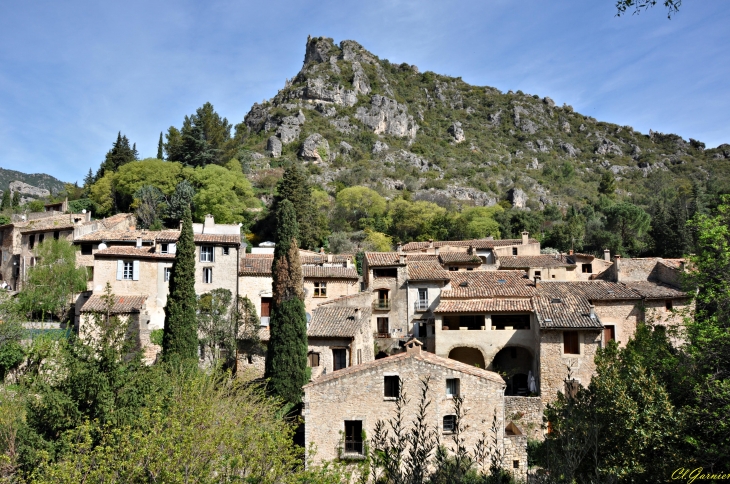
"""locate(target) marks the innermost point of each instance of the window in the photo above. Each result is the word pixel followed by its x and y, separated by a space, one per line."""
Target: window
pixel 89 273
pixel 392 386
pixel 452 387
pixel 313 359
pixel 85 249
pixel 385 273
pixel 206 253
pixel 538 273
pixel 469 268
pixel 226 250
pixel 359 357
pixel 41 237
pixel 571 345
pixel 164 248
pixel 668 304
pixel 449 423
pixel 167 273
pixel 514 250
pixel 353 436
pixel 571 388
pixel 339 357
pixel 609 334
pixel 514 321
pixel 31 241
pixel 471 321
pixel 515 464
pixel 56 234
pixel 320 289
pixel 453 269
pixel 422 301
pixel 383 326
pixel 208 275
pixel 587 269
pixel 128 273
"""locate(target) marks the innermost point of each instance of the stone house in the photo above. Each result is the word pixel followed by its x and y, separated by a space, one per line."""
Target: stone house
pixel 341 409
pixel 544 267
pixel 385 281
pixel 486 249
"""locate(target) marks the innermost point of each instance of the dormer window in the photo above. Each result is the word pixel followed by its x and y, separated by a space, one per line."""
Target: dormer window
pixel 164 248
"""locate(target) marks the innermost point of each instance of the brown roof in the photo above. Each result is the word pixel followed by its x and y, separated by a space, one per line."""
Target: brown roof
pixel 110 222
pixel 158 235
pixel 253 265
pixel 417 257
pixel 122 304
pixel 422 355
pixel 459 258
pixel 337 321
pixel 133 252
pixel 596 290
pixel 476 243
pixel 427 271
pixel 381 259
pixel 655 290
pixel 346 300
pixel 671 263
pixel 45 224
pixel 483 284
pixel 566 311
pixel 483 305
pixel 330 272
pixel 526 261
pixel 323 258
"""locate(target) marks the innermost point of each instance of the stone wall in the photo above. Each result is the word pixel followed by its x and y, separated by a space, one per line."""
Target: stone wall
pixel 335 288
pixel 555 365
pixel 623 315
pixel 526 413
pixel 669 275
pixel 522 249
pixel 515 456
pixel 225 270
pixel 254 288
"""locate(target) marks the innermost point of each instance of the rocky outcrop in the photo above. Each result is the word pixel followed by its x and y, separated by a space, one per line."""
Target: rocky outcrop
pixel 28 190
pixel 477 197
pixel 570 149
pixel 723 152
pixel 387 116
pixel 360 82
pixel 343 125
pixel 317 89
pixel 517 197
pixel 315 148
pixel 345 147
pixel 318 50
pixel 380 147
pixel 606 146
pixel 457 132
pixel 411 159
pixel 288 133
pixel 273 147
pixel 550 103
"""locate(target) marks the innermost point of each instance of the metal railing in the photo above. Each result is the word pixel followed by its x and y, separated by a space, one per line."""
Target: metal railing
pixel 420 305
pixel 381 304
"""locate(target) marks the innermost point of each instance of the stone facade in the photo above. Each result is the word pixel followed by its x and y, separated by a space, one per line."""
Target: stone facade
pixel 358 395
pixel 336 288
pixel 526 413
pixel 556 365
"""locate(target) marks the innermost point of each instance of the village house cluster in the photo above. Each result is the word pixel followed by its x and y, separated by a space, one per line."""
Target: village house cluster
pixel 495 322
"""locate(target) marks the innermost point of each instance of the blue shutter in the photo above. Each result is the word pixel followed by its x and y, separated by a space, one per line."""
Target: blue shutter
pixel 135 270
pixel 120 270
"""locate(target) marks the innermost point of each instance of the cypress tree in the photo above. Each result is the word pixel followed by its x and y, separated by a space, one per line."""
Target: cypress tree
pixel 286 358
pixel 180 337
pixel 6 200
pixel 160 152
pixel 16 199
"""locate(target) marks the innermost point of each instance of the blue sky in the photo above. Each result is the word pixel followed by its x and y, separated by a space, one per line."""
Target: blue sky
pixel 73 73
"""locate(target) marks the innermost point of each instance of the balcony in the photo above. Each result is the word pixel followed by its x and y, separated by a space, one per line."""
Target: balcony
pixel 420 305
pixel 381 305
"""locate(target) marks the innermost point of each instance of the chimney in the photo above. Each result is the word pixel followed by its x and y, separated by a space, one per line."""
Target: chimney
pixel 537 280
pixel 401 258
pixel 413 346
pixel 436 250
pixel 592 310
pixel 180 228
pixel 139 242
pixel 682 267
pixel 358 313
pixel 321 250
pixel 470 250
pixel 525 238
pixel 607 255
pixel 209 223
pixel 242 249
pixel 399 248
pixel 570 252
pixel 329 258
pixel 430 243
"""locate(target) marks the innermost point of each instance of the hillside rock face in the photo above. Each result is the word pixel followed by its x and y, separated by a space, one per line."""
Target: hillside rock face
pixel 28 190
pixel 365 121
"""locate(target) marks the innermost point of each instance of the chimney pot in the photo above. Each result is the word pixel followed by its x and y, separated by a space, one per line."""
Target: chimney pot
pixel 430 243
pixel 606 255
pixel 592 309
pixel 401 258
pixel 399 248
pixel 139 242
pixel 525 238
pixel 436 250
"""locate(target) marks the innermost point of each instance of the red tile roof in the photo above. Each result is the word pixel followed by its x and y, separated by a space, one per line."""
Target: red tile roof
pixel 427 271
pixel 458 258
pixel 382 259
pixel 566 311
pixel 158 235
pixel 483 306
pixel 595 290
pixel 482 284
pixel 338 321
pixel 252 265
pixel 476 243
pixel 528 261
pixel 328 272
pixel 323 258
pixel 655 290
pixel 422 355
pixel 133 252
pixel 122 304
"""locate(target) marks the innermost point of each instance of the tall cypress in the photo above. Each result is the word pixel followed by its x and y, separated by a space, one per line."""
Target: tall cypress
pixel 180 337
pixel 286 357
pixel 16 199
pixel 160 152
pixel 6 199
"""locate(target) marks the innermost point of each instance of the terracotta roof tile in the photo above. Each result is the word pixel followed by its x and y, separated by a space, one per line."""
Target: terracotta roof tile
pixel 655 290
pixel 427 271
pixel 482 284
pixel 476 243
pixel 251 265
pixel 323 259
pixel 483 305
pixel 417 257
pixel 458 258
pixel 122 304
pixel 595 290
pixel 133 252
pixel 527 261
pixel 424 356
pixel 110 222
pixel 158 235
pixel 330 272
pixel 338 321
pixel 62 222
pixel 381 259
pixel 566 311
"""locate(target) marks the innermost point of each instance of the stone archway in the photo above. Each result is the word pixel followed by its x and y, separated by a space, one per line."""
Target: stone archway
pixel 514 363
pixel 467 355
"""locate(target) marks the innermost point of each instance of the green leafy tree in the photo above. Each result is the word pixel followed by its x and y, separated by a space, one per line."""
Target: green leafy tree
pixel 480 221
pixel 53 281
pixel 217 325
pixel 201 140
pixel 160 148
pixel 413 220
pixel 630 223
pixel 5 203
pixel 180 340
pixel 224 192
pixel 286 358
pixel 131 177
pixel 356 205
pixel 173 145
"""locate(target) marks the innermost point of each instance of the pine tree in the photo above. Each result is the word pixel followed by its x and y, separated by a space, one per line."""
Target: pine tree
pixel 180 338
pixel 160 152
pixel 286 358
pixel 607 186
pixel 89 179
pixel 16 199
pixel 6 200
pixel 120 154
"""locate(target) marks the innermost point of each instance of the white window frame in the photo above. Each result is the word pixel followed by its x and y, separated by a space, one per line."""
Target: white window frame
pixel 164 248
pixel 207 253
pixel 320 289
pixel 452 392
pixel 128 270
pixel 207 275
pixel 167 273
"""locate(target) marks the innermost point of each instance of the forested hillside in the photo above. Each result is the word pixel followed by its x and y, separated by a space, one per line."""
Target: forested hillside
pixel 394 154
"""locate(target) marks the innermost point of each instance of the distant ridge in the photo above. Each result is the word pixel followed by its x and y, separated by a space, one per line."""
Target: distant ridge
pixel 39 180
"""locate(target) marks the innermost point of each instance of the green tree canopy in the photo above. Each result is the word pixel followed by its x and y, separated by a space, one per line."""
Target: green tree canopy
pixel 630 223
pixel 356 203
pixel 224 192
pixel 120 154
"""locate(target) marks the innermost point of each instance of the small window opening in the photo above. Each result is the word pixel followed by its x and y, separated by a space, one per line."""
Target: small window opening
pixel 313 359
pixel 392 386
pixel 587 269
pixel 515 464
pixel 226 250
pixel 449 423
pixel 514 250
pixel 85 249
pixel 452 387
pixel 164 248
pixel 571 346
pixel 668 305
pixel 353 436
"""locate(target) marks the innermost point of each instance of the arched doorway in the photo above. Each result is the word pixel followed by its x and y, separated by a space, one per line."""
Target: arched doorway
pixel 470 356
pixel 514 364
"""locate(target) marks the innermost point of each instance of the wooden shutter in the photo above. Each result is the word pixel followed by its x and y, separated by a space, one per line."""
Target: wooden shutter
pixel 135 270
pixel 609 334
pixel 265 307
pixel 570 343
pixel 120 270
